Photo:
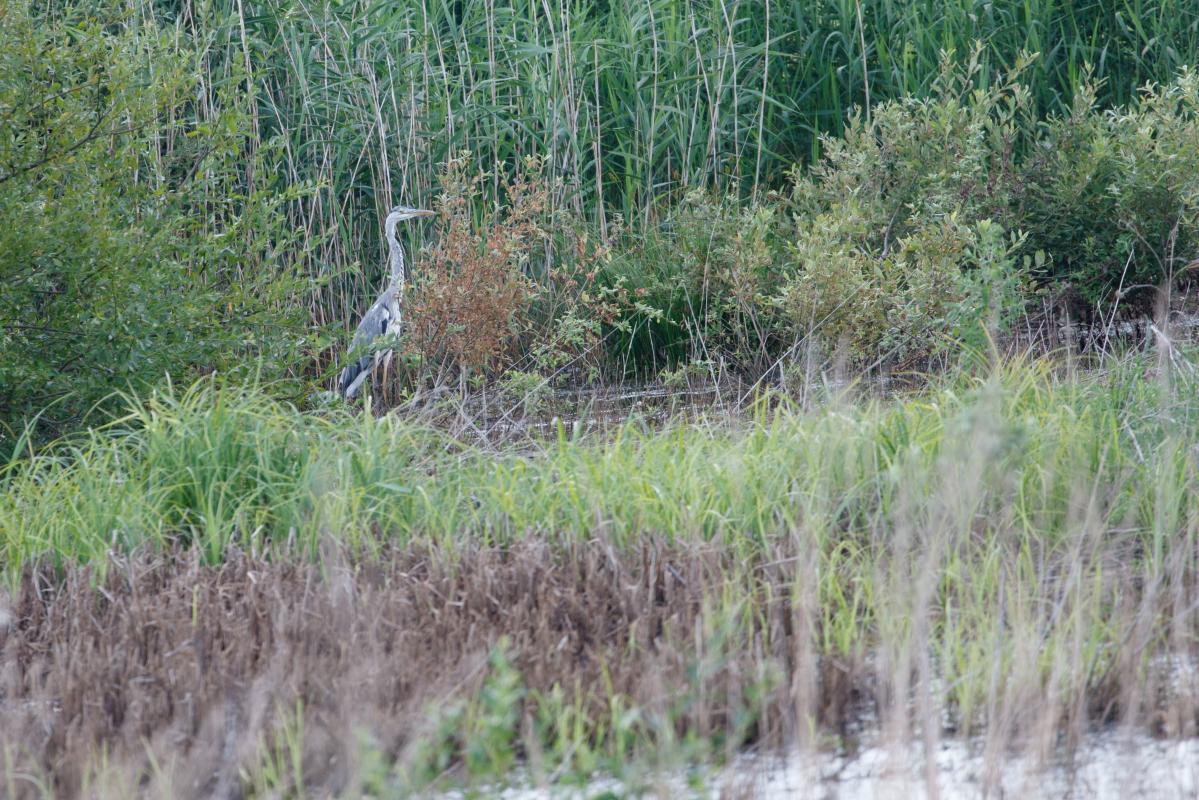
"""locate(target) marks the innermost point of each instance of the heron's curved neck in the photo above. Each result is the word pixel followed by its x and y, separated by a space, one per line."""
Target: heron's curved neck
pixel 395 256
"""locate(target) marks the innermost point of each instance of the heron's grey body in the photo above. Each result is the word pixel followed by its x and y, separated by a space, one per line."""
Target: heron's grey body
pixel 380 318
pixel 383 317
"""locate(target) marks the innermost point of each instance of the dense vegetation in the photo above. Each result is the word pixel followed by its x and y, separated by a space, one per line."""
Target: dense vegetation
pixel 195 187
pixel 134 243
pixel 1011 554
pixel 220 469
pixel 218 580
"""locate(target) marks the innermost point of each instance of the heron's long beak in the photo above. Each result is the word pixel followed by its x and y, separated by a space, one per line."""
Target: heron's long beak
pixel 420 212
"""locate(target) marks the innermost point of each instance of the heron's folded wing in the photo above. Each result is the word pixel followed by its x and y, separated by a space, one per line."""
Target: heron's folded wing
pixel 353 375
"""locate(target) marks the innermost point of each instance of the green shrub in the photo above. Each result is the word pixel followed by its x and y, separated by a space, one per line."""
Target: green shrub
pixel 899 226
pixel 931 223
pixel 931 216
pixel 134 242
pixel 703 283
pixel 728 259
pixel 1114 196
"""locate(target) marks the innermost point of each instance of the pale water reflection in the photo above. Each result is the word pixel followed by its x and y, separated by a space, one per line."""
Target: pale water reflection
pixel 1111 765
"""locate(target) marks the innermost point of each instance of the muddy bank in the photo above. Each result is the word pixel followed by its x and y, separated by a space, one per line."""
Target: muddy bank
pixel 705 392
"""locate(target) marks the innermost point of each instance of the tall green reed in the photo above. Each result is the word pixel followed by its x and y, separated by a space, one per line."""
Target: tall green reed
pixel 628 102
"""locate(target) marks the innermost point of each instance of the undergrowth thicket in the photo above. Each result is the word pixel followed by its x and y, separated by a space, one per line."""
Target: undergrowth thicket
pixel 1011 551
pixel 196 188
pixel 216 469
pixel 244 575
pixel 931 224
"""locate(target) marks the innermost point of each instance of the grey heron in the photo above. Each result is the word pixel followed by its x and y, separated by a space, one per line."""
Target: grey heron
pixel 383 316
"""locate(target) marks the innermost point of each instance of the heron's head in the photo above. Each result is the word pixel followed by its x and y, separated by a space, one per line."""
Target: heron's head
pixel 401 213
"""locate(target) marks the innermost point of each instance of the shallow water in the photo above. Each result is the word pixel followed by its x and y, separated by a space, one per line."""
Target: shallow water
pixel 1108 766
pixel 1112 765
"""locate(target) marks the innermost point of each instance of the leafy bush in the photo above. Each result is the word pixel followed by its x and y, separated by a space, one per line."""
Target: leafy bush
pixel 931 223
pixel 134 244
pixel 900 219
pixel 727 258
pixel 945 282
pixel 516 290
pixel 1114 196
pixel 932 215
pixel 470 299
pixel 702 284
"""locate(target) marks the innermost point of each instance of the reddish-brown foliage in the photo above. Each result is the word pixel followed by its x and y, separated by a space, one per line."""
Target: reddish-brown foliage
pixel 472 298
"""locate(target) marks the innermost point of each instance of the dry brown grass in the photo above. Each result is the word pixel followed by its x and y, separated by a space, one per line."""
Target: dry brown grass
pixel 170 677
pixel 171 662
